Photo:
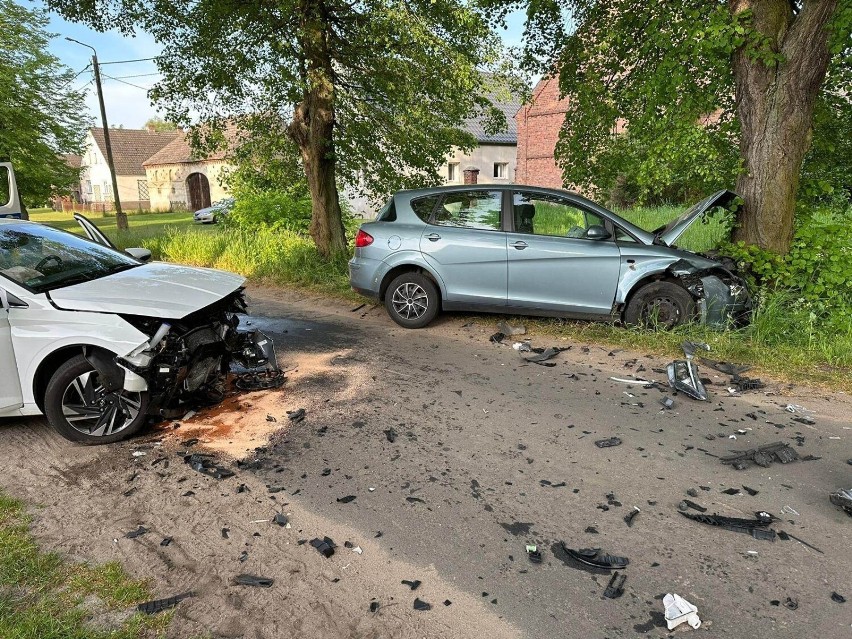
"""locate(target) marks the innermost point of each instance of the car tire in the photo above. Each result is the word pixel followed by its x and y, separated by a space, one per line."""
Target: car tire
pixel 73 404
pixel 405 299
pixel 660 305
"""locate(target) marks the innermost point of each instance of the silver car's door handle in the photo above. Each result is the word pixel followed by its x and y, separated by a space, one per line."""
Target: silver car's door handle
pixel 520 245
pixel 433 237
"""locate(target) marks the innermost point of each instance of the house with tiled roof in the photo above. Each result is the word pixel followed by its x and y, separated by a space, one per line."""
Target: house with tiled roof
pixel 130 148
pixel 177 176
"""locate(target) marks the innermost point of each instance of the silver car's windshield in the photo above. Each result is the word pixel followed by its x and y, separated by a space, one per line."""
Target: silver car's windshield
pixel 42 258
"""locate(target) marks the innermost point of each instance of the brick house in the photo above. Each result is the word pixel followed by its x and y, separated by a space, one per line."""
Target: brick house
pixel 130 148
pixel 538 124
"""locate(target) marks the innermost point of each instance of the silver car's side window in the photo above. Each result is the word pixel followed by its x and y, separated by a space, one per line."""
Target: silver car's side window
pixel 5 193
pixel 471 209
pixel 542 214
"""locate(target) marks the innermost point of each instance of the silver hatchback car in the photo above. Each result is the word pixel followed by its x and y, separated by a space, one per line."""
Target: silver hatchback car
pixel 535 251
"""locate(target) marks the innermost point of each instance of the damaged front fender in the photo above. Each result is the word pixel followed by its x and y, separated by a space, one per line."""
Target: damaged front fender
pixel 722 297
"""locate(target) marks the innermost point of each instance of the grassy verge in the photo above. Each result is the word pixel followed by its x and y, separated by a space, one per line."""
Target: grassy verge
pixel 42 597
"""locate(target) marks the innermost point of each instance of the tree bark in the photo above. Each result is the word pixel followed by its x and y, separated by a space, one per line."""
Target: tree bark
pixel 312 128
pixel 775 104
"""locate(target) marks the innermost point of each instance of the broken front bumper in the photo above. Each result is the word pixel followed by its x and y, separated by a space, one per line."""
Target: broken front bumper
pixel 722 298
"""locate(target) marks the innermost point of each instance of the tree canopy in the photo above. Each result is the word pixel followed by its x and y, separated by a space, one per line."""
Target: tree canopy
pixel 374 91
pixel 159 124
pixel 41 115
pixel 709 92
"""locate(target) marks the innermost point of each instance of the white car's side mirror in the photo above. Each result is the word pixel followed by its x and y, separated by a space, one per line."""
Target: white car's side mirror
pixel 141 254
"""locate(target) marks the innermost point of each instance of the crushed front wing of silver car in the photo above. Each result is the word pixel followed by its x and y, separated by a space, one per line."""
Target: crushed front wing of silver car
pixel 722 297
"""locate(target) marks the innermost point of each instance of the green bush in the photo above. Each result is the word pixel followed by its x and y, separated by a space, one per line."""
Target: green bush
pixel 274 209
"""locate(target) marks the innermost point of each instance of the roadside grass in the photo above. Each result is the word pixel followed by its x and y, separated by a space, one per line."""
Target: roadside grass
pixel 42 597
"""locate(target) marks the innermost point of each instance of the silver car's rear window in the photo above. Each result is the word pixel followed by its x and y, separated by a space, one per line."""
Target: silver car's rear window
pixel 423 206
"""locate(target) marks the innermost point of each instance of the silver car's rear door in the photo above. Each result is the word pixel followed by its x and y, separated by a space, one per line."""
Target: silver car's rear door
pixel 553 263
pixel 466 246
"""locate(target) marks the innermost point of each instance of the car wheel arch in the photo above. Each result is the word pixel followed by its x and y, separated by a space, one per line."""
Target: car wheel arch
pixel 659 276
pixel 49 364
pixel 408 268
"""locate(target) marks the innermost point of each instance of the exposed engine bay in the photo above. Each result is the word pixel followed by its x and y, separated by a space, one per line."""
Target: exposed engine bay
pixel 186 362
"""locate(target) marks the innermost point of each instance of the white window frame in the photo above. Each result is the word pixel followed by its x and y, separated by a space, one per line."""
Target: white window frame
pixel 501 170
pixel 452 172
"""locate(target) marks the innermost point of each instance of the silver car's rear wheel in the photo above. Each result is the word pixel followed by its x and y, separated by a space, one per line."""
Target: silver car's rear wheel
pixel 412 300
pixel 81 409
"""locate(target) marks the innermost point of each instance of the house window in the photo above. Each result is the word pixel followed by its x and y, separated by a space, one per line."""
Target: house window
pixel 453 172
pixel 142 186
pixel 501 170
pixel 89 187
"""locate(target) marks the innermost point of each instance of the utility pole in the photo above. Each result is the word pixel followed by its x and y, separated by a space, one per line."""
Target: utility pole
pixel 120 216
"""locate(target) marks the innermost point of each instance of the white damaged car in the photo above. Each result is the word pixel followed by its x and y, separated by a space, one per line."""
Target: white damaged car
pixel 98 340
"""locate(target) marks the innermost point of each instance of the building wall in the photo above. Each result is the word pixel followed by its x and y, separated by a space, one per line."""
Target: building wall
pixel 167 183
pixel 96 183
pixel 483 158
pixel 539 123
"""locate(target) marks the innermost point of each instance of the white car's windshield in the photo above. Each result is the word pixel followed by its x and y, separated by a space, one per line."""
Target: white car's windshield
pixel 42 258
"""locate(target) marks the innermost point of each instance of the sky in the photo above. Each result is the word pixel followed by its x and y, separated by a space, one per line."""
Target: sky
pixel 125 85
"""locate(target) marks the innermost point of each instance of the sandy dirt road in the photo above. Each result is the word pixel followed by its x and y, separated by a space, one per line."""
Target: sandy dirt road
pixel 457 454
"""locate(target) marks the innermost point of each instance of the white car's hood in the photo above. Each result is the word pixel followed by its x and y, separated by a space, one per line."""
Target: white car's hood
pixel 157 289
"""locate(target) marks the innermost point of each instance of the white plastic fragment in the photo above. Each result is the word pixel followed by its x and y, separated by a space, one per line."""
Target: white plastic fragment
pixel 630 381
pixel 357 549
pixel 139 453
pixel 679 610
pixel 523 347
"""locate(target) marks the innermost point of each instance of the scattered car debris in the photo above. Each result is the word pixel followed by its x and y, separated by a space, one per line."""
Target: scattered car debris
pixel 667 402
pixel 621 380
pixel 260 380
pixel 838 598
pixel 139 453
pixel 732 491
pixel 784 536
pixel 419 604
pixel 615 587
pixel 347 499
pixel 166 541
pixel 757 527
pixel 679 610
pixel 507 329
pixel 280 519
pixel 324 546
pixel 608 443
pixel 792 604
pixel 743 384
pixel 497 338
pixel 594 558
pixel 750 491
pixel 253 580
pixel 133 534
pixel 357 308
pixel 629 517
pixel 374 606
pixel 205 465
pixel 533 553
pixel 764 456
pixel 158 605
pixel 843 499
pixel 688 503
pixel 296 416
pixel 523 347
pixel 390 433
pixel 541 358
pixel 689 348
pixel 412 584
pixel 734 370
pixel 683 377
pixel 243 556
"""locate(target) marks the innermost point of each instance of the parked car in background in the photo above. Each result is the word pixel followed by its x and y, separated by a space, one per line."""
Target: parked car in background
pixel 536 251
pixel 215 212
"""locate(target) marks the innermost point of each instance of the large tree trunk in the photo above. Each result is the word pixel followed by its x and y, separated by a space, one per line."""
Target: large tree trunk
pixel 775 104
pixel 312 128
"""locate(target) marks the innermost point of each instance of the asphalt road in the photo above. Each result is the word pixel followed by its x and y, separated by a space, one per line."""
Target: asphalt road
pixel 445 455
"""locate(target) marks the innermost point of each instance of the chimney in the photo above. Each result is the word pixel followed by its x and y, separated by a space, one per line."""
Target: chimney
pixel 471 175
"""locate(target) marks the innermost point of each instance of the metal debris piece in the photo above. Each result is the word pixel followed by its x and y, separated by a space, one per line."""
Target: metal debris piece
pixel 204 465
pixel 608 443
pixel 683 377
pixel 158 605
pixel 679 610
pixel 253 580
pixel 757 528
pixel 764 456
pixel 843 499
pixel 594 558
pixel 260 380
pixel 615 587
pixel 667 402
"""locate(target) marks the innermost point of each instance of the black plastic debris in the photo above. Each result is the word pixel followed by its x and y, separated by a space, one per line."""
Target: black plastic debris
pixel 158 605
pixel 591 530
pixel 357 308
pixel 541 358
pixel 419 604
pixel 260 380
pixel 242 488
pixel 838 598
pixel 374 605
pixel 295 416
pixel 683 377
pixel 534 553
pixel 280 519
pixel 390 433
pixel 253 580
pixel 414 585
pixel 688 503
pixel 667 402
pixel 732 491
pixel 226 533
pixel 615 587
pixel 791 603
pixel 447 602
pixel 757 528
pixel 206 466
pixel 326 472
pixel 270 418
pixel 784 536
pixel 743 384
pixel 629 517
pixel 734 370
pixel 243 557
pixel 764 456
pixel 595 558
pixel 497 338
pixel 324 546
pixel 133 534
pixel 750 491
pixel 843 499
pixel 166 541
pixel 346 500
pixel 415 500
pixel 689 348
pixel 189 443
pixel 608 443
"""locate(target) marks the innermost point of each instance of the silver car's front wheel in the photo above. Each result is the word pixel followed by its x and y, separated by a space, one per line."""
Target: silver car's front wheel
pixel 412 300
pixel 82 410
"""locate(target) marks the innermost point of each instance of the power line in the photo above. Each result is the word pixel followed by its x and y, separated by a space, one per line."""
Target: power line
pixel 77 75
pixel 128 61
pixel 127 83
pixel 138 75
